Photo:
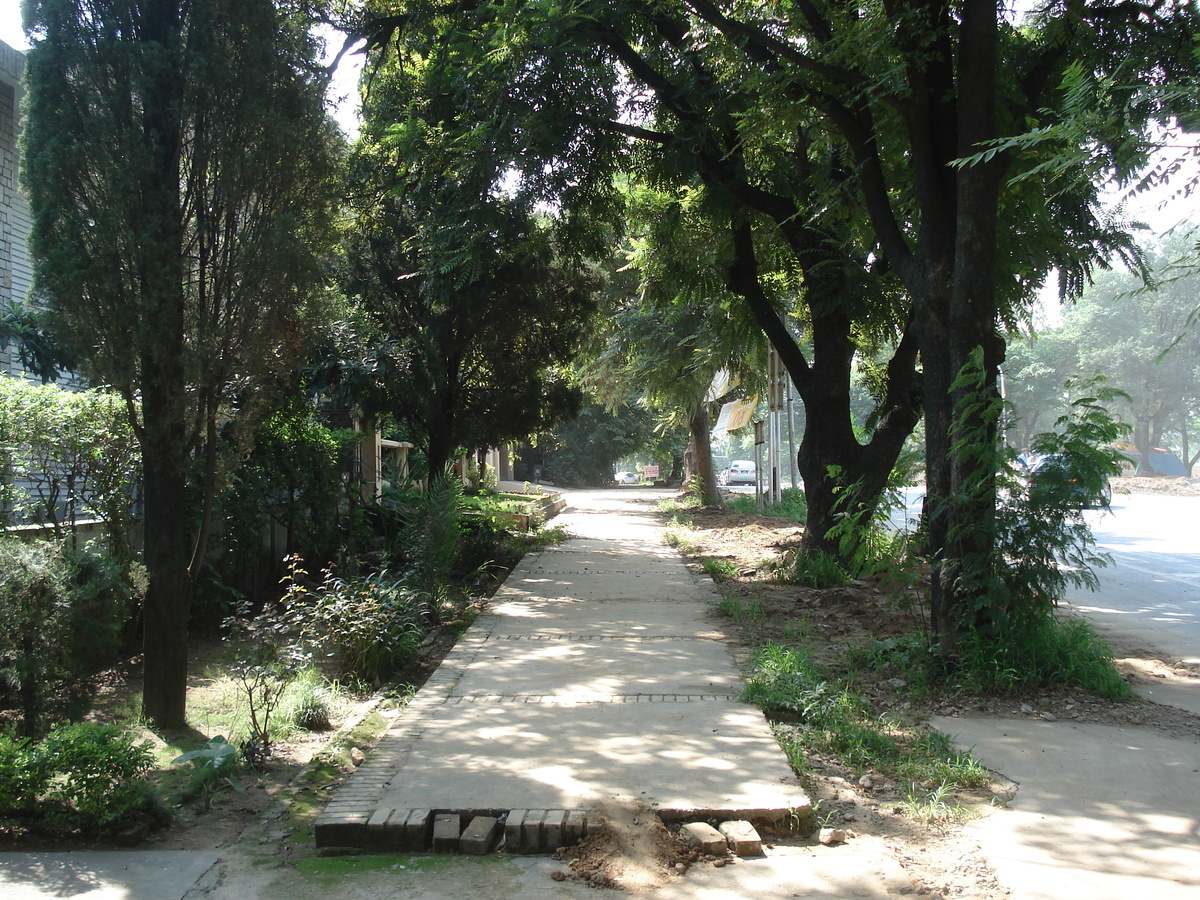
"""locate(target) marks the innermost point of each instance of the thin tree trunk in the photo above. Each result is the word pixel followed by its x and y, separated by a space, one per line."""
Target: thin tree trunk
pixel 702 456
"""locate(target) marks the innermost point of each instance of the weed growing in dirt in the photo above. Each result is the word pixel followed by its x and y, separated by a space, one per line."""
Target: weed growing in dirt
pixel 718 568
pixel 933 806
pixel 676 536
pixel 747 612
pixel 816 713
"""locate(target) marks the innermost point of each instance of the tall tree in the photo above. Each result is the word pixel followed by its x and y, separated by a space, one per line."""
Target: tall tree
pixel 478 299
pixel 179 166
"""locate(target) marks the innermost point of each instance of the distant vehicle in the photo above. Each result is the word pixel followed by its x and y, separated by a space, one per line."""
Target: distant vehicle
pixel 1059 476
pixel 626 478
pixel 740 471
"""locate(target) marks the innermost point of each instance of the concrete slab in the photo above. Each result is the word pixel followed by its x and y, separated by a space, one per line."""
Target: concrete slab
pixel 590 665
pixel 1100 811
pixel 115 875
pixel 678 584
pixel 596 676
pixel 545 619
pixel 674 754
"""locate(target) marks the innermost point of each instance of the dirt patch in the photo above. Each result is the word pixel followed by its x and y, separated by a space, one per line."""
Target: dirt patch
pixel 632 851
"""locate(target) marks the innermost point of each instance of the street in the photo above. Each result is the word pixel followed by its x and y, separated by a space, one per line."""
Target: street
pixel 1152 589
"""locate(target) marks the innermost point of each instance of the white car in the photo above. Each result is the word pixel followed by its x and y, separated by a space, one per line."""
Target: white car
pixel 741 471
pixel 626 478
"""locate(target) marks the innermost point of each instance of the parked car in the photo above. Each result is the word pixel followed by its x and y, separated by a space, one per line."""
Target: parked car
pixel 626 478
pixel 1060 476
pixel 740 471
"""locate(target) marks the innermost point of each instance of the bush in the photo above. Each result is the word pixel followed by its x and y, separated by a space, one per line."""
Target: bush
pixel 84 779
pixel 61 618
pixel 309 702
pixel 76 451
pixel 370 625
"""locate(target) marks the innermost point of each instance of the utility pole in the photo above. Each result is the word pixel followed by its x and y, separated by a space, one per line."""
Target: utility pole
pixel 791 428
pixel 775 378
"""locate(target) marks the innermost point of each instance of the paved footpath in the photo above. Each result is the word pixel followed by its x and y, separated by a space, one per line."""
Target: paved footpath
pixel 597 675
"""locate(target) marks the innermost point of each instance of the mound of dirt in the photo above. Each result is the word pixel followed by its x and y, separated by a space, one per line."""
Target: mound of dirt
pixel 632 851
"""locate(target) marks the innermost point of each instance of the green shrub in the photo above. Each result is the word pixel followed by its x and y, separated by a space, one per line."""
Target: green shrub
pixel 369 624
pixel 309 702
pixel 61 618
pixel 84 779
pixel 820 571
pixel 430 541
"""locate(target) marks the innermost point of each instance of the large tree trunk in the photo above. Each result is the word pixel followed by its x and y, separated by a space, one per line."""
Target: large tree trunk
pixel 841 475
pixel 961 488
pixel 163 384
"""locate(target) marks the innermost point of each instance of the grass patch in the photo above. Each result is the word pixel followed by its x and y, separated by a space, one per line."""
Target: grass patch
pixel 816 713
pixel 1065 652
pixel 820 571
pixel 745 611
pixel 1049 651
pixel 718 568
pixel 792 505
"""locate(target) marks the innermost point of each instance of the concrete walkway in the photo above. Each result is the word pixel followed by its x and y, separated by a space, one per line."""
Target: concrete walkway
pixel 597 675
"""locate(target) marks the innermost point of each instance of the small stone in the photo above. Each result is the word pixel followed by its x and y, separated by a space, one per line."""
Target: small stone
pixel 866 782
pixel 1043 702
pixel 1049 717
pixel 832 836
pixel 1026 708
pixel 357 757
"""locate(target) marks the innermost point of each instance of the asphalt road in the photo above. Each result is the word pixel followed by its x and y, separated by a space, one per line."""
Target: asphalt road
pixel 1152 589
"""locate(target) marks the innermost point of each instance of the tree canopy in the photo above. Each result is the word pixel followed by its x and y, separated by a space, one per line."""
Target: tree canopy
pixel 829 140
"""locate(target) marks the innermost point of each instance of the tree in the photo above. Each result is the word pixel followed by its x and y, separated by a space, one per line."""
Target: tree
pixel 477 299
pixel 1036 368
pixel 855 144
pixel 179 168
pixel 1138 337
pixel 584 450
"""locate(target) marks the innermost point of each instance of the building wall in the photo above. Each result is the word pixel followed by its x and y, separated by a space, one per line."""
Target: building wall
pixel 15 271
